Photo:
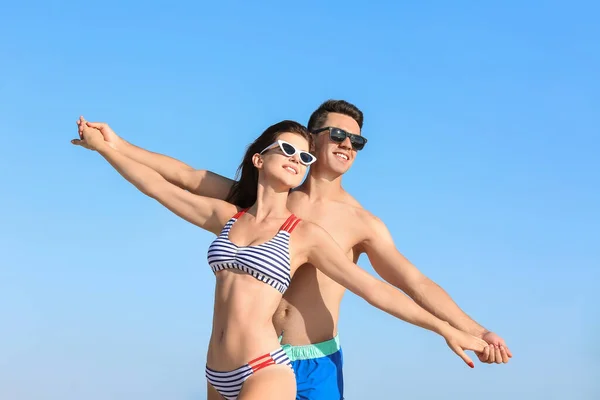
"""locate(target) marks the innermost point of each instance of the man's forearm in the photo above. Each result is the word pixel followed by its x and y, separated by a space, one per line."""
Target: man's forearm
pixel 173 170
pixel 434 299
pixel 141 176
pixel 200 182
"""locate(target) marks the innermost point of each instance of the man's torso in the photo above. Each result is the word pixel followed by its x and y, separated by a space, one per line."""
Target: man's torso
pixel 309 310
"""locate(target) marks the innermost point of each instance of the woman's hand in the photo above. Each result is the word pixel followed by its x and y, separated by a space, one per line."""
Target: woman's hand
pixel 460 341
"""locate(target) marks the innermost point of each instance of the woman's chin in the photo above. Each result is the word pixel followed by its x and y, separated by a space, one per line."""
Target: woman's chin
pixel 283 181
pixel 286 183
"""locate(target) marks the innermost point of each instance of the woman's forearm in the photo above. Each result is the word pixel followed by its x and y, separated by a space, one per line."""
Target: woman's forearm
pixel 142 177
pixel 394 302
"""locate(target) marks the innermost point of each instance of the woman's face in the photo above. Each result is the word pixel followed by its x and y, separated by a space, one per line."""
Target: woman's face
pixel 284 161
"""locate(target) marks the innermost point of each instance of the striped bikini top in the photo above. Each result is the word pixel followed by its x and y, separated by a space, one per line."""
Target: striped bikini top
pixel 268 262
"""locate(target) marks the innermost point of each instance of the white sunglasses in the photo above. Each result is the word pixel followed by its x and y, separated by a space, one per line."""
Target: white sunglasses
pixel 289 150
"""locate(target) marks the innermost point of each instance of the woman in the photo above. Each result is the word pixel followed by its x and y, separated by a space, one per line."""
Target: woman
pixel 258 248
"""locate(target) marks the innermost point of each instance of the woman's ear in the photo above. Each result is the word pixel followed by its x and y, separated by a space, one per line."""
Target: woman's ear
pixel 257 160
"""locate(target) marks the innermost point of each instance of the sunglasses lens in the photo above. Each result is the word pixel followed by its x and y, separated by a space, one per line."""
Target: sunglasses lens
pixel 306 158
pixel 358 142
pixel 288 149
pixel 337 135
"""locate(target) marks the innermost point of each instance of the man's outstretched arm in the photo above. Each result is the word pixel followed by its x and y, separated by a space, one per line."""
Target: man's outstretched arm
pixel 201 182
pixel 392 266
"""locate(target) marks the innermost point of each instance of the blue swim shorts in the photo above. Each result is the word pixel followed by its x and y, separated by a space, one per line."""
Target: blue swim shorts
pixel 318 369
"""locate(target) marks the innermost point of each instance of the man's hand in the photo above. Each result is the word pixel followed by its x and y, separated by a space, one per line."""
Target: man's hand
pixel 497 351
pixel 110 137
pixel 92 137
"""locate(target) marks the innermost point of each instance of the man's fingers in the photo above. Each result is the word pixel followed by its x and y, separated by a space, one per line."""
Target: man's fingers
pixel 481 358
pixel 97 125
pixel 498 354
pixel 492 356
pixel 504 354
pixel 486 354
pixel 79 128
pixel 508 352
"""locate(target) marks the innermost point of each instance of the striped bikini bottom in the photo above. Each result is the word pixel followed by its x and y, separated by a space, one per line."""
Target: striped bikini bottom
pixel 229 384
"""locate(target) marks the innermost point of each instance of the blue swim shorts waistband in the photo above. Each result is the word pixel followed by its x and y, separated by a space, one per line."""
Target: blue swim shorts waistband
pixel 314 350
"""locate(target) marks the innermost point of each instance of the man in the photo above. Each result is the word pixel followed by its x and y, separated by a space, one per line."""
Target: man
pixel 308 314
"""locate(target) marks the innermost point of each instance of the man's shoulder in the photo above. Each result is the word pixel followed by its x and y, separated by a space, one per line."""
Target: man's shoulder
pixel 343 204
pixel 363 215
pixel 350 200
pixel 366 226
pixel 372 227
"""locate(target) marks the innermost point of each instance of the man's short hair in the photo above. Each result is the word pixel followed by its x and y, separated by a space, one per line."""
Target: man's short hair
pixel 319 116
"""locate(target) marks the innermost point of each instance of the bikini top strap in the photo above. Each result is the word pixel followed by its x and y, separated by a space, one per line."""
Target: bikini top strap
pixel 290 224
pixel 240 213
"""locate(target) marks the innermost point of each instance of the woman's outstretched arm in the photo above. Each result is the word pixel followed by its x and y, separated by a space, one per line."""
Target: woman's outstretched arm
pixel 207 213
pixel 323 252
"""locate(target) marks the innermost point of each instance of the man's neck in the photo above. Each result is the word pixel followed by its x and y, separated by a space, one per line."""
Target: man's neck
pixel 318 187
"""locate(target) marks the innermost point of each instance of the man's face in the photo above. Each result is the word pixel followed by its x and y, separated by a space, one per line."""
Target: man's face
pixel 337 157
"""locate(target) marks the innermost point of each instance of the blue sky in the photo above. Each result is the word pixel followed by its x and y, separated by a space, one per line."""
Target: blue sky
pixel 482 159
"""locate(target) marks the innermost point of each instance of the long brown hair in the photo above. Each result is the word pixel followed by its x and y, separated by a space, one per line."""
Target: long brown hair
pixel 243 190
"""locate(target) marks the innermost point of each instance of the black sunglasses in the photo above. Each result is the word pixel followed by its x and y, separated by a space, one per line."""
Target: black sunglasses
pixel 338 135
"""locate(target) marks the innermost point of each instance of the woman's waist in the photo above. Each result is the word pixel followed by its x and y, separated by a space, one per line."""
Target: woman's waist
pixel 244 306
pixel 236 345
pixel 243 313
